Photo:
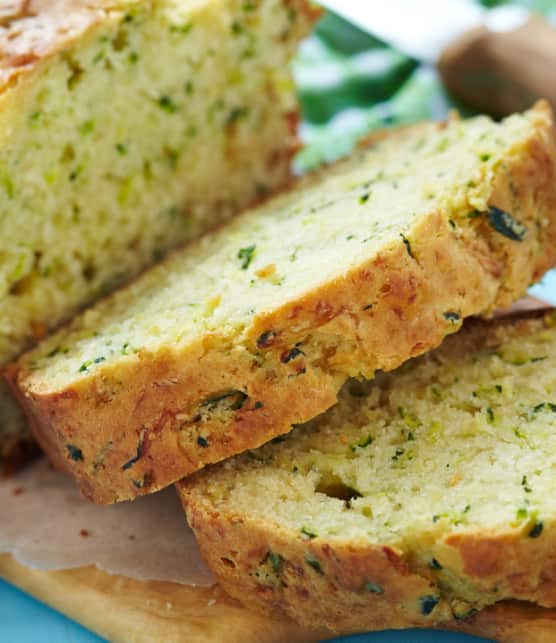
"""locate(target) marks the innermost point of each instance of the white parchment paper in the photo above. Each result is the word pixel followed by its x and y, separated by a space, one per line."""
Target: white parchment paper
pixel 45 523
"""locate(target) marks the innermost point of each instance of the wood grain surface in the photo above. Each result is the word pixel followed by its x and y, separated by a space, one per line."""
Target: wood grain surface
pixel 124 610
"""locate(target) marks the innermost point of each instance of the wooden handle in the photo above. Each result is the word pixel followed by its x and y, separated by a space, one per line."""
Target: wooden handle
pixel 502 72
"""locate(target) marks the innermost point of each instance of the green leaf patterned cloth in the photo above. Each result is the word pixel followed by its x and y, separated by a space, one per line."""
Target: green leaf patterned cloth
pixel 351 84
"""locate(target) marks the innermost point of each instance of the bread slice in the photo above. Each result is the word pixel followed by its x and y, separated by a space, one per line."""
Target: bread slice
pixel 421 497
pixel 256 327
pixel 128 127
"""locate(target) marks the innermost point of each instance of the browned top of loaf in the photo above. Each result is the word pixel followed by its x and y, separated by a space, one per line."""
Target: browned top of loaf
pixel 31 30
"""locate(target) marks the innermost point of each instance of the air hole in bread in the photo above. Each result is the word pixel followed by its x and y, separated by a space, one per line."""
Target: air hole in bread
pixel 228 562
pixel 333 486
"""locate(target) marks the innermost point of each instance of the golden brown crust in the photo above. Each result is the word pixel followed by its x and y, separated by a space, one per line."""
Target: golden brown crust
pixel 519 567
pixel 123 609
pixel 267 570
pixel 234 548
pixel 153 402
pixel 494 565
pixel 512 622
pixel 33 30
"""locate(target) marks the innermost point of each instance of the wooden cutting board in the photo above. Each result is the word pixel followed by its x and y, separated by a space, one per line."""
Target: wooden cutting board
pixel 124 610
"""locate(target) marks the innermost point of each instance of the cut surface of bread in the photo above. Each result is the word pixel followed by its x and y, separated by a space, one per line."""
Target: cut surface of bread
pixel 421 497
pixel 256 327
pixel 126 128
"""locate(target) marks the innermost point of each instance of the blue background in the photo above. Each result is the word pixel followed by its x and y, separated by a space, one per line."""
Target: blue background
pixel 24 620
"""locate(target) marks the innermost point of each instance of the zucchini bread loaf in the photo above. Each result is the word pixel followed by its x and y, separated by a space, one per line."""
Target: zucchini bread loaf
pixel 420 498
pixel 128 127
pixel 256 327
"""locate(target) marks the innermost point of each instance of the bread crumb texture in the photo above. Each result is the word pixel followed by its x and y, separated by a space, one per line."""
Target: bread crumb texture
pixel 127 128
pixel 420 498
pixel 256 327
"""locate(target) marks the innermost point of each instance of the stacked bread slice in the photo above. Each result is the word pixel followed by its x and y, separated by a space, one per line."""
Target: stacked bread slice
pixel 420 497
pixel 231 341
pixel 125 131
